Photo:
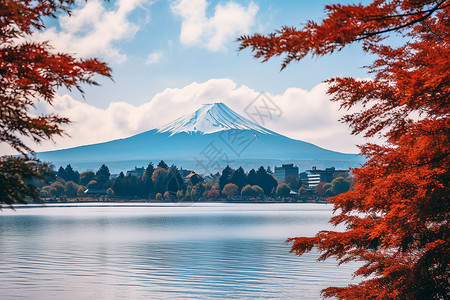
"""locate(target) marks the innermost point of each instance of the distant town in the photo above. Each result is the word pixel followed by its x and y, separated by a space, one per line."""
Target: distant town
pixel 164 183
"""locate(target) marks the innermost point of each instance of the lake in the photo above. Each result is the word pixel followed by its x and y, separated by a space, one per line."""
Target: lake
pixel 160 251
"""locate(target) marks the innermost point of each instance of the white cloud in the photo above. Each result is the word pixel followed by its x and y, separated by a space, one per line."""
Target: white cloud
pixel 92 29
pixel 306 115
pixel 229 21
pixel 154 58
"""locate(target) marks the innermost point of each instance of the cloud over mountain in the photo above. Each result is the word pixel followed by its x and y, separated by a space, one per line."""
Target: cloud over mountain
pixel 305 115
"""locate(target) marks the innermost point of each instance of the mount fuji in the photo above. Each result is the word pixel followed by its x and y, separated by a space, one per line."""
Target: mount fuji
pixel 206 140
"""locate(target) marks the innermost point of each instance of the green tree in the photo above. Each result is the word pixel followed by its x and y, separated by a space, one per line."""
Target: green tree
pixel 266 181
pixel 163 165
pixel 62 173
pixel 239 178
pixel 252 178
pixel 118 185
pixel 283 190
pixel 149 170
pixel 148 185
pixel 72 175
pixel 225 177
pixel 102 176
pixel 16 176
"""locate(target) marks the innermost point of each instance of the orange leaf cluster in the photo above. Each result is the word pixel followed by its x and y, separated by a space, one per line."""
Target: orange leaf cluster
pixel 397 213
pixel 32 72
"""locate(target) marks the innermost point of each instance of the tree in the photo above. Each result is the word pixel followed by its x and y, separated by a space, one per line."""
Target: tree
pixel 302 192
pixel 80 191
pixel 396 215
pixel 86 177
pixel 225 177
pixel 163 165
pixel 32 72
pixel 72 175
pixel 56 189
pixel 160 178
pixel 293 182
pixel 239 178
pixel 16 175
pixel 248 191
pixel 266 181
pixel 102 176
pixel 92 185
pixel 230 189
pixel 213 194
pixel 323 189
pixel 62 173
pixel 71 189
pixel 252 178
pixel 110 193
pixel 147 181
pixel 283 190
pixel 149 170
pixel 339 185
pixel 259 192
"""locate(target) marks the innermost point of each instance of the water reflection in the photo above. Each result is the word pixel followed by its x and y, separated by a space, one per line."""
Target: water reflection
pixel 206 251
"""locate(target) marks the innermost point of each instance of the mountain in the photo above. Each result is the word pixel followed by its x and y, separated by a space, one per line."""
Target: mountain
pixel 206 141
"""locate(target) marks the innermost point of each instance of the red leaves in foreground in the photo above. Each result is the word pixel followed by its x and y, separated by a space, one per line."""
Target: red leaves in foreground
pixel 31 72
pixel 396 216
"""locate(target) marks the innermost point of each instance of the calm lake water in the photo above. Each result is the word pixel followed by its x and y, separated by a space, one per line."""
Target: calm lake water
pixel 205 251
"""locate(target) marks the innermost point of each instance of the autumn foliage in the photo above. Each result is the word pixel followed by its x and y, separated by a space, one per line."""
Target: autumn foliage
pixel 396 216
pixel 31 72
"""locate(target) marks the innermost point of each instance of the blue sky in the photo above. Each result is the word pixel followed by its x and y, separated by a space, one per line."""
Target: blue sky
pixel 170 56
pixel 181 64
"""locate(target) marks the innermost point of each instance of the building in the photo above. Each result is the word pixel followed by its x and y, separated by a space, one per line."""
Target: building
pixel 184 172
pixel 315 176
pixel 138 172
pixel 313 180
pixel 285 170
pixel 193 178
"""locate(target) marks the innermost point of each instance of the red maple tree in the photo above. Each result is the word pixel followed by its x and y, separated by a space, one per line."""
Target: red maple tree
pixel 31 72
pixel 396 216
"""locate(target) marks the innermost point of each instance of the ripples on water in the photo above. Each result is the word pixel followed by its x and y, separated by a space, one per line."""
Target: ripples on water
pixel 158 252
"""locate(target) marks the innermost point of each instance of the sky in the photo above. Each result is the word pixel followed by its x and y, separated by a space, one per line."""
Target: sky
pixel 171 56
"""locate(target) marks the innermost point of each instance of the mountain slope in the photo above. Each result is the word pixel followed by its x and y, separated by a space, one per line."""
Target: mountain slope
pixel 206 140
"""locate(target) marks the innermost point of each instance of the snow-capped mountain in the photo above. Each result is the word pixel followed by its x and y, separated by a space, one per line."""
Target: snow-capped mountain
pixel 210 118
pixel 206 141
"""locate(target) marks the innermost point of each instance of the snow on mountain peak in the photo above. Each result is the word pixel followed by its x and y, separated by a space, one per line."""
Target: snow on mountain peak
pixel 210 118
